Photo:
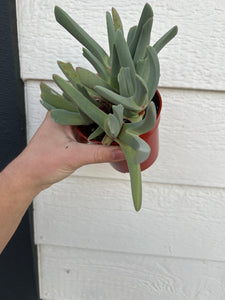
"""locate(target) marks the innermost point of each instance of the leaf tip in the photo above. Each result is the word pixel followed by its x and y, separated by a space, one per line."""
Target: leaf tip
pixel 55 77
pixel 137 207
pixel 57 11
pixel 175 29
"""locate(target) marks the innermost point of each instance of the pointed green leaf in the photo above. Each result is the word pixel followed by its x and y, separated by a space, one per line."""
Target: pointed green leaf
pixel 65 117
pixel 118 113
pixel 114 121
pixel 114 98
pixel 73 77
pixel 99 67
pixel 135 174
pixel 53 98
pixel 124 55
pixel 111 34
pixel 69 72
pixel 85 93
pixel 131 34
pixel 117 21
pixel 125 82
pixel 115 69
pixel 145 15
pixel 94 113
pixel 166 38
pixel 149 70
pixel 144 125
pixel 142 149
pixel 96 133
pixel 141 91
pixel 142 68
pixel 154 71
pixel 48 106
pixel 68 99
pixel 85 117
pixel 143 40
pixel 112 126
pixel 90 79
pixel 82 36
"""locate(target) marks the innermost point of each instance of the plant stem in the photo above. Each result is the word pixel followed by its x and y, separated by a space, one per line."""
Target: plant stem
pixel 107 141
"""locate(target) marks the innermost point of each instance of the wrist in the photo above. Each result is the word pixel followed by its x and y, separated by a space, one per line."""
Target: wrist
pixel 19 177
pixel 17 192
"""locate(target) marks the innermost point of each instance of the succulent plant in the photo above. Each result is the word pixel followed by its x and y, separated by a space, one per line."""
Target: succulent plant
pixel 117 101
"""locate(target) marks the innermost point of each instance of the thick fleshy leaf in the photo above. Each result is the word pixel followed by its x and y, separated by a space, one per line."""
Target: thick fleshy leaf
pixel 83 90
pixel 115 69
pixel 69 72
pixel 149 70
pixel 116 20
pixel 125 82
pixel 135 174
pixel 111 34
pixel 154 71
pixel 72 76
pixel 143 40
pixel 82 36
pixel 141 91
pixel 145 15
pixel 90 79
pixel 53 98
pixel 115 98
pixel 131 34
pixel 68 99
pixel 142 68
pixel 96 133
pixel 92 111
pixel 166 38
pixel 99 67
pixel 144 125
pixel 114 122
pixel 112 126
pixel 65 117
pixel 142 149
pixel 124 55
pixel 46 105
pixel 85 117
pixel 118 113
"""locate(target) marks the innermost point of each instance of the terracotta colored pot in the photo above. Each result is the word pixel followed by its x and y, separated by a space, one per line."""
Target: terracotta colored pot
pixel 151 137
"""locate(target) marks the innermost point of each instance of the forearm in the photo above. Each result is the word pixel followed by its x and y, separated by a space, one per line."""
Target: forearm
pixel 16 194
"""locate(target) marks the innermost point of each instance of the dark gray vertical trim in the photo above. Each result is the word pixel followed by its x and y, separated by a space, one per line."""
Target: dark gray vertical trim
pixel 18 262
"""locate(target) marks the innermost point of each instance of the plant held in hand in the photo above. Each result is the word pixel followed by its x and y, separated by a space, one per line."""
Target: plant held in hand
pixel 117 102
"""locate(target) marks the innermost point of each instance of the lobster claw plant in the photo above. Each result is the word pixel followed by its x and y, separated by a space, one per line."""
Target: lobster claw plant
pixel 116 102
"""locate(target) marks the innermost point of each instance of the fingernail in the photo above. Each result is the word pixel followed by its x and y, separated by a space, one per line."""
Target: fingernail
pixel 118 155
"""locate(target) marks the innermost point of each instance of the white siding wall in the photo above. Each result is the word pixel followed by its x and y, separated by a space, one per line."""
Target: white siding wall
pixel 92 244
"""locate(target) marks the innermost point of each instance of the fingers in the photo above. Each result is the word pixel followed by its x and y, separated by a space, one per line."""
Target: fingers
pixel 78 154
pixel 91 154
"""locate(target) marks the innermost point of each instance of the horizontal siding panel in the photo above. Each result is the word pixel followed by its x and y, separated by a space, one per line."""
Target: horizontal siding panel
pixel 195 59
pixel 192 144
pixel 80 274
pixel 177 221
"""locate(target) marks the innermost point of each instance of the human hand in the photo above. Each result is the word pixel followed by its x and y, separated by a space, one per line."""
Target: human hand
pixel 53 154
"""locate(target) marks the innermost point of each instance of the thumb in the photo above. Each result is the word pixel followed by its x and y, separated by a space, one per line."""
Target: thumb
pixel 92 154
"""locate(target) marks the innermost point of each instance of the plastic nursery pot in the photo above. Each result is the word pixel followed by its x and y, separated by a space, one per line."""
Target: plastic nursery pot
pixel 151 137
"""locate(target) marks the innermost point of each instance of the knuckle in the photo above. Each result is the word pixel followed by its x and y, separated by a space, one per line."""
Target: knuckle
pixel 99 155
